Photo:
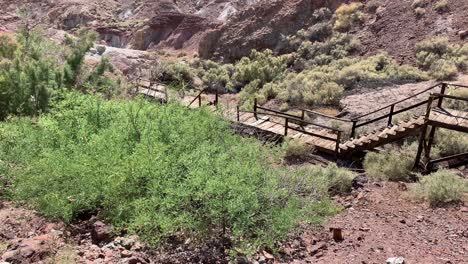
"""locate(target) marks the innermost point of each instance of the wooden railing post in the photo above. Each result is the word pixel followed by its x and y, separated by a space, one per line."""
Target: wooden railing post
pixel 255 108
pixel 199 100
pixel 353 129
pixel 238 114
pixel 286 123
pixel 442 91
pixel 337 147
pixel 302 114
pixel 392 109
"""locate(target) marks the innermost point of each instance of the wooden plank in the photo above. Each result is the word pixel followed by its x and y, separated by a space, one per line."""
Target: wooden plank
pixel 260 121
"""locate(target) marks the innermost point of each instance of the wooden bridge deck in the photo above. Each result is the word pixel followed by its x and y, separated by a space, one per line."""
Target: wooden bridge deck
pixel 449 118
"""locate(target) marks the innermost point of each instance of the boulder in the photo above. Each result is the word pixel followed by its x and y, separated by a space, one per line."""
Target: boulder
pixel 101 233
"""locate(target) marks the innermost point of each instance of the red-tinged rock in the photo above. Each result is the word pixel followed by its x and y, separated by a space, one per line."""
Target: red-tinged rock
pixel 101 233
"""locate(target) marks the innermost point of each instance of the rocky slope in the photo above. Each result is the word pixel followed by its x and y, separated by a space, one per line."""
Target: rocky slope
pixel 230 29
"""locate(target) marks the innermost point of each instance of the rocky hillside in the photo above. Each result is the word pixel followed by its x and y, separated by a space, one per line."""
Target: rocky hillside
pixel 229 29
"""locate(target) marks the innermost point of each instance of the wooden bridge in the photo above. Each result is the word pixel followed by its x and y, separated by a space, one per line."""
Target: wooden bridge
pixel 427 114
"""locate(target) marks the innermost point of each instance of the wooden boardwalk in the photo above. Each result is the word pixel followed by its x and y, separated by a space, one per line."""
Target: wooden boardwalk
pixel 340 143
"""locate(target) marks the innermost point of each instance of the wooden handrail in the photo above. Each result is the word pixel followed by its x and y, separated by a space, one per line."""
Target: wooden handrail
pixel 324 115
pixel 397 102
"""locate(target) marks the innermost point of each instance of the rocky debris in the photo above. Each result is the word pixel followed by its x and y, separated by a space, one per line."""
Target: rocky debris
pixel 396 260
pixel 101 233
pixel 463 34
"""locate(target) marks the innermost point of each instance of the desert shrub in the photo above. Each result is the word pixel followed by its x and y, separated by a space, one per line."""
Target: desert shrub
pixel 322 14
pixel 419 11
pixel 392 165
pixel 449 142
pixel 456 104
pixel 418 3
pixel 443 70
pixel 316 181
pixel 372 6
pixel 440 188
pixel 441 56
pixel 177 75
pixel 321 53
pixel 348 15
pixel 441 6
pixel 215 76
pixel 295 148
pixel 155 170
pixel 262 66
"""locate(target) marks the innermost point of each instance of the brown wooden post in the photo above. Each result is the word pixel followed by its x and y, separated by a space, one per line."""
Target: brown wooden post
pixel 199 100
pixel 442 91
pixel 353 129
pixel 286 126
pixel 255 108
pixel 392 108
pixel 422 136
pixel 238 114
pixel 302 114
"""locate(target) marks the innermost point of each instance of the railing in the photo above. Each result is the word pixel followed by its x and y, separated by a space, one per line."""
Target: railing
pixel 391 108
pixel 299 120
pixel 199 98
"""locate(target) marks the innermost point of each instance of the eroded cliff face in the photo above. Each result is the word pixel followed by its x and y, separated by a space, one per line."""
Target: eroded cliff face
pixel 260 27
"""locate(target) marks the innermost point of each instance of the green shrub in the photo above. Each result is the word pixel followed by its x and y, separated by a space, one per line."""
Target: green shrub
pixel 440 188
pixel 449 142
pixel 296 148
pixel 443 70
pixel 441 58
pixel 392 165
pixel 155 170
pixel 348 15
pixel 262 66
pixel 177 75
pixel 315 181
pixel 441 6
pixel 454 103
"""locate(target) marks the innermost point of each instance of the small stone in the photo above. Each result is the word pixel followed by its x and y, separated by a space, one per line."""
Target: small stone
pixel 420 218
pixel 126 254
pixel 268 255
pixel 464 209
pixel 463 34
pixel 403 221
pixel 396 260
pixel 365 229
pixel 101 233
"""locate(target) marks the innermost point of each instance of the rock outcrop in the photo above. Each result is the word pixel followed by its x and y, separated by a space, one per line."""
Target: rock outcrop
pixel 260 27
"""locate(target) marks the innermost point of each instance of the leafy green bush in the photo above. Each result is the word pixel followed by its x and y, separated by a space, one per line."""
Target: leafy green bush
pixel 441 6
pixel 348 15
pixel 392 165
pixel 440 188
pixel 157 170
